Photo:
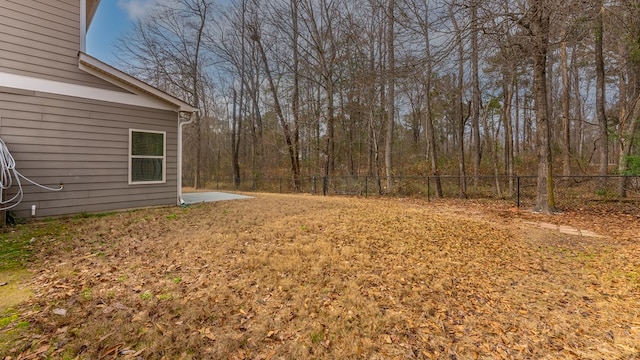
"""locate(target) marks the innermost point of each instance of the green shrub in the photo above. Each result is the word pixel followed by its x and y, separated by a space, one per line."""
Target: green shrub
pixel 633 165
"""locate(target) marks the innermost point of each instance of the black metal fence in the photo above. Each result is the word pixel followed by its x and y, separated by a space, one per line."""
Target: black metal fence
pixel 570 191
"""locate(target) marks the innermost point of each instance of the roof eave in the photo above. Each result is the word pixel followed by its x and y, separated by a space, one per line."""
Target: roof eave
pixel 92 6
pixel 127 82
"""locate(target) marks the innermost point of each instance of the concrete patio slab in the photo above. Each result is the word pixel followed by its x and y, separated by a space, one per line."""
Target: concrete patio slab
pixel 565 229
pixel 198 197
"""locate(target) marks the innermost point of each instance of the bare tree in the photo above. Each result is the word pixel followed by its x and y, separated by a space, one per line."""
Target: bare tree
pixel 336 87
pixel 459 102
pixel 165 49
pixel 538 22
pixel 566 103
pixel 295 96
pixel 535 22
pixel 600 90
pixel 421 13
pixel 629 126
pixel 476 104
pixel 391 99
pixel 254 34
pixel 236 127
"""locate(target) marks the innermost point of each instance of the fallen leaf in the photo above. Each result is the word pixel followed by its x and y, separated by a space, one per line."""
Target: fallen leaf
pixel 113 350
pixel 42 349
pixel 105 337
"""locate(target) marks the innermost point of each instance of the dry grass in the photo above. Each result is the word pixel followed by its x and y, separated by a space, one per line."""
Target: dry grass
pixel 302 277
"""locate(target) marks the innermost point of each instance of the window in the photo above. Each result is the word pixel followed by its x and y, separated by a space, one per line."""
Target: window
pixel 147 157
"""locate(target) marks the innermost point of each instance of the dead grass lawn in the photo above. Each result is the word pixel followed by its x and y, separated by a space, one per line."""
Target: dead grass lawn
pixel 302 277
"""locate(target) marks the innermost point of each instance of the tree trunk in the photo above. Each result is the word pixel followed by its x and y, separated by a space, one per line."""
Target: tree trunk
pixel 508 85
pixel 330 140
pixel 462 182
pixel 291 146
pixel 198 155
pixel 491 142
pixel 388 149
pixel 430 130
pixel 600 93
pixel 578 113
pixel 476 150
pixel 461 161
pixel 195 77
pixel 235 140
pixel 517 117
pixel 566 99
pixel 431 138
pixel 295 97
pixel 373 153
pixel 540 24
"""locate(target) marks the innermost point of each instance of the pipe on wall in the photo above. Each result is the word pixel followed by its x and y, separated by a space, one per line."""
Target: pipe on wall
pixel 182 121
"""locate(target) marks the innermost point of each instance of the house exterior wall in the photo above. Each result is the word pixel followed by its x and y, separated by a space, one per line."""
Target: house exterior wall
pixel 41 38
pixel 83 144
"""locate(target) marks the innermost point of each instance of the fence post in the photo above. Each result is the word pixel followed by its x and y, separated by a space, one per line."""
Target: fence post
pixel 313 185
pixel 324 186
pixel 518 180
pixel 428 188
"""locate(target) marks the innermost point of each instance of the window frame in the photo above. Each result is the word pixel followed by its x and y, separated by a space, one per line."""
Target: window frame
pixel 163 157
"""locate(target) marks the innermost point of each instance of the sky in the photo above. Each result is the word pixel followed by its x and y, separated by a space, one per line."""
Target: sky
pixel 113 19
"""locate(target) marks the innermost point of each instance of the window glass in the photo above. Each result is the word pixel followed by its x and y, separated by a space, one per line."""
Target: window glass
pixel 147 144
pixel 147 156
pixel 146 170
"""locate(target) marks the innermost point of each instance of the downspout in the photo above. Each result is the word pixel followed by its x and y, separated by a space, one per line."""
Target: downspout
pixel 83 26
pixel 182 121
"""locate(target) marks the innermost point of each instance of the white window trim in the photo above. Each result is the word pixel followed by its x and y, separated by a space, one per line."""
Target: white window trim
pixel 164 158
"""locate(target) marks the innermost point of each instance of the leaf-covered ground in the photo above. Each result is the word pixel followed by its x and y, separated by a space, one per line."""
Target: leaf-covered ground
pixel 303 277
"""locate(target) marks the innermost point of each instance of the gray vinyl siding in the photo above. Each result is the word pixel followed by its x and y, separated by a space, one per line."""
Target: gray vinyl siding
pixel 41 38
pixel 84 145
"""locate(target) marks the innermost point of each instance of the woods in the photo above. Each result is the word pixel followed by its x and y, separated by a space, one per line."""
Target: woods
pixel 389 88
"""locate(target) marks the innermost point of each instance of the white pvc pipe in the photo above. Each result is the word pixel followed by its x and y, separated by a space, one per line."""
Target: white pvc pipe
pixel 180 131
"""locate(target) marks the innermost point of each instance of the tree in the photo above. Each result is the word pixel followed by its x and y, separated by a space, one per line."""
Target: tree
pixel 254 34
pixel 566 103
pixel 537 22
pixel 295 96
pixel 349 87
pixel 238 106
pixel 236 127
pixel 322 55
pixel 391 99
pixel 459 103
pixel 600 90
pixel 629 133
pixel 165 48
pixel 421 13
pixel 476 104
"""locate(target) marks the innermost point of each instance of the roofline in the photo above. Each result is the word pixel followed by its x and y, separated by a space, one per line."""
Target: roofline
pixel 92 6
pixel 31 86
pixel 127 82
